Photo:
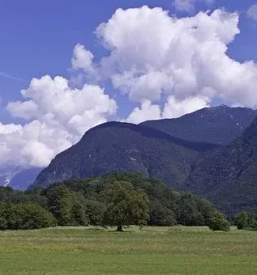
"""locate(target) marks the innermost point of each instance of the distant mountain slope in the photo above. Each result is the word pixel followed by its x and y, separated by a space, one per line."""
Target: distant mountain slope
pixel 7 172
pixel 123 147
pixel 16 177
pixel 228 176
pixel 219 125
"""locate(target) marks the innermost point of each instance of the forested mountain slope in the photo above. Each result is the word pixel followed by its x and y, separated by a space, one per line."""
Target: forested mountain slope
pixel 124 147
pixel 228 176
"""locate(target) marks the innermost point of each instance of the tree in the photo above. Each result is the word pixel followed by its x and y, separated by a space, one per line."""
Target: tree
pixel 68 207
pixel 219 222
pixel 160 215
pixel 252 220
pixel 125 205
pixel 60 204
pixel 25 216
pixel 188 213
pixel 246 220
pixel 206 209
pixel 242 220
pixel 33 216
pixel 95 211
pixel 10 217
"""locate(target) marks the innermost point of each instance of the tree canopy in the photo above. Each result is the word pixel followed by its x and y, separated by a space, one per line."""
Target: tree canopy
pixel 125 205
pixel 115 199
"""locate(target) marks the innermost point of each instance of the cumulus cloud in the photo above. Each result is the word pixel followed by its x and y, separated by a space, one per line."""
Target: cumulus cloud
pixel 82 59
pixel 146 112
pixel 153 55
pixel 33 144
pixel 252 12
pixel 58 116
pixel 173 108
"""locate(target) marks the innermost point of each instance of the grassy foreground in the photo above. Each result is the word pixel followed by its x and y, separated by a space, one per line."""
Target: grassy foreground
pixel 176 250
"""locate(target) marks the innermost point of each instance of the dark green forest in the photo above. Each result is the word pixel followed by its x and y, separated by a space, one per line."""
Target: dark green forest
pixel 117 199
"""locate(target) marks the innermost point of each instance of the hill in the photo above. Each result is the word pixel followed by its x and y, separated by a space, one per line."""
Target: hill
pixel 124 147
pixel 228 176
pixel 219 125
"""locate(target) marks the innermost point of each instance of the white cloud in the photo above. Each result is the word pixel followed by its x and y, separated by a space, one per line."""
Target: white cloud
pixel 9 129
pixel 147 86
pixel 82 59
pixel 153 55
pixel 60 116
pixel 173 108
pixel 33 144
pixel 25 110
pixel 146 112
pixel 52 101
pixel 252 12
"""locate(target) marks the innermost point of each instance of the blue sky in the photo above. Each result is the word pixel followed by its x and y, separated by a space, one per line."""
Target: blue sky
pixel 205 63
pixel 37 37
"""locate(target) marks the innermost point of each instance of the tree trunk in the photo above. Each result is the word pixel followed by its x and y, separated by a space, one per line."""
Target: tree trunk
pixel 119 228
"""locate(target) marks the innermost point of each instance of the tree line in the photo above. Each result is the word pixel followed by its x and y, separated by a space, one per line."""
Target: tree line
pixel 117 199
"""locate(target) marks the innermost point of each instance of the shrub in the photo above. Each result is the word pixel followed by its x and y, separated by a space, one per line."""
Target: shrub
pixel 219 222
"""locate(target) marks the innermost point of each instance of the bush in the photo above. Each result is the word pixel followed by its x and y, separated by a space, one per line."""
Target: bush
pixel 219 222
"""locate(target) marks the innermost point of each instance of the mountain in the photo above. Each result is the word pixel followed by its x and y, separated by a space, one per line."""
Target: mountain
pixel 16 177
pixel 124 147
pixel 228 176
pixel 219 125
pixel 7 172
pixel 225 174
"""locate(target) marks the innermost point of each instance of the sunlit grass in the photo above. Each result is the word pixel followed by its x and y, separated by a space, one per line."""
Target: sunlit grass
pixel 153 250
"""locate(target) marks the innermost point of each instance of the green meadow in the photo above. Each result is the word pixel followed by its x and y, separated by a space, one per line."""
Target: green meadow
pixel 153 250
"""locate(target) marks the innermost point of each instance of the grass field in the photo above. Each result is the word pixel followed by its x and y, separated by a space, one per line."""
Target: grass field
pixel 177 250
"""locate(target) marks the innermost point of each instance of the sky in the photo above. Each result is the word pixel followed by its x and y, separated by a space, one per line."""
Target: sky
pixel 67 66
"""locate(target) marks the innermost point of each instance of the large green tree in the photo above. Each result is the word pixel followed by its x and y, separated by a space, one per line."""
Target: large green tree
pixel 125 205
pixel 67 206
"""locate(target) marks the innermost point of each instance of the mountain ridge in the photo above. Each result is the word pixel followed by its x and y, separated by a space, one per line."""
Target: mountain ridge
pixel 218 125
